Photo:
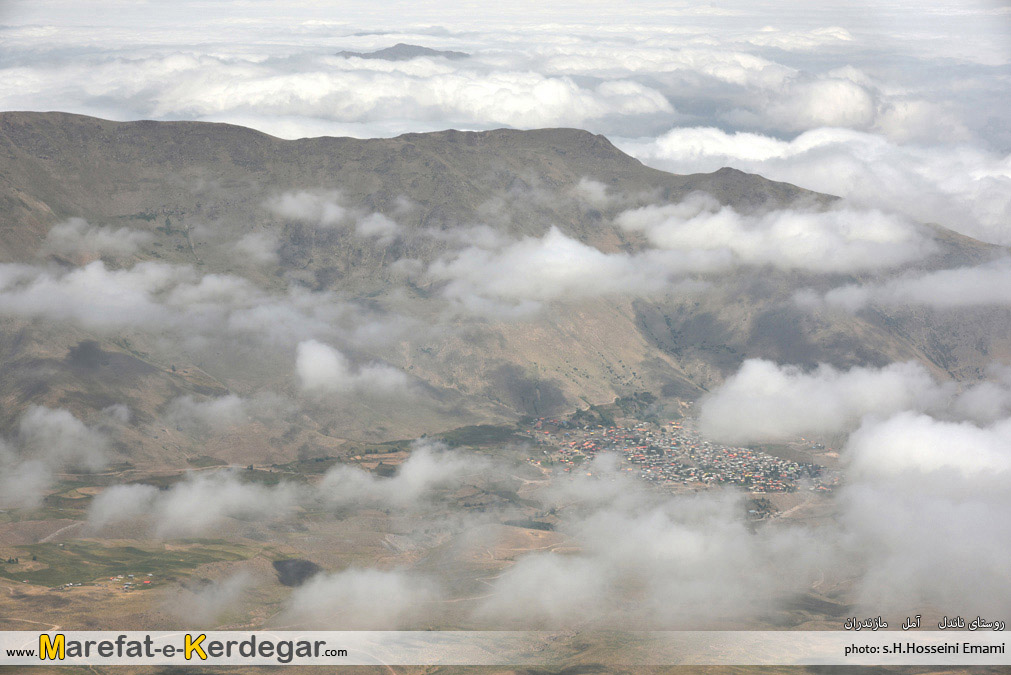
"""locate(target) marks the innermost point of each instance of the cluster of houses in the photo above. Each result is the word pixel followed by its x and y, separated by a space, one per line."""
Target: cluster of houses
pixel 676 454
pixel 131 584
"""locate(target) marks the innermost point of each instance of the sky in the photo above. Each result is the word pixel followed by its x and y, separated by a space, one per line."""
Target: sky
pixel 895 105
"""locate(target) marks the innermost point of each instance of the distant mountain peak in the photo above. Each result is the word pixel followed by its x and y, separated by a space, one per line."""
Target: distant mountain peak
pixel 404 52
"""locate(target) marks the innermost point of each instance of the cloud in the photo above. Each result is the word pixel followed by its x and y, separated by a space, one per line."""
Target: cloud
pixel 747 67
pixel 927 508
pixel 765 402
pixel 831 240
pixel 980 285
pixel 431 466
pixel 204 500
pixel 218 413
pixel 60 439
pixel 257 247
pixel 987 401
pixel 523 274
pixel 322 208
pixel 323 369
pixel 48 440
pixel 93 295
pixel 960 186
pixel 379 226
pixel 325 209
pixel 355 90
pixel 649 560
pixel 547 590
pixel 193 506
pixel 204 603
pixel 817 38
pixel 76 237
pixel 727 66
pixel 594 192
pixel 361 599
pixel 194 308
pixel 921 514
pixel 203 415
pixel 826 102
pixel 121 503
pixel 920 443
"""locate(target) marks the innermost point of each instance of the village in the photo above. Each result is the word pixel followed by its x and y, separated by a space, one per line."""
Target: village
pixel 674 455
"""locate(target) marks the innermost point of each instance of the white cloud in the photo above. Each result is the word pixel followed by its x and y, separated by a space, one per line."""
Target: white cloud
pixel 981 285
pixel 361 599
pixel 962 187
pixel 93 295
pixel 644 559
pixel 917 442
pixel 429 468
pixel 817 38
pixel 178 301
pixel 828 102
pixel 831 240
pixel 379 226
pixel 766 402
pixel 48 440
pixel 76 237
pixel 204 603
pixel 323 369
pixel 193 506
pixel 728 66
pixel 327 208
pixel 217 413
pixel 257 247
pixel 594 192
pixel 121 503
pixel 523 274
pixel 321 208
pixel 927 508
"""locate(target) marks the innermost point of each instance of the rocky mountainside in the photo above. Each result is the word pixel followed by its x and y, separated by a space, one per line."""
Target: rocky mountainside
pixel 261 244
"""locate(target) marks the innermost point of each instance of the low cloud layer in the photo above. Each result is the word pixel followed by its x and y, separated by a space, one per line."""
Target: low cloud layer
pixel 523 274
pixel 362 599
pixel 928 507
pixel 648 560
pixel 430 467
pixel 193 506
pixel 205 500
pixel 203 603
pixel 76 237
pixel 918 503
pixel 988 284
pixel 323 369
pixel 924 510
pixel 48 440
pixel 765 402
pixel 832 240
pixel 178 300
pixel 962 187
pixel 326 209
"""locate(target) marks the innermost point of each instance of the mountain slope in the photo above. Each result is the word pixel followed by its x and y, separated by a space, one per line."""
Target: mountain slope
pixel 195 189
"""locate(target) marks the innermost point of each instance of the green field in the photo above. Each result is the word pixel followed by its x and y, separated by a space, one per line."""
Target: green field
pixel 86 561
pixel 482 435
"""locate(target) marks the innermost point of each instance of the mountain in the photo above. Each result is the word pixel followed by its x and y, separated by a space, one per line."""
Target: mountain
pixel 196 192
pixel 404 52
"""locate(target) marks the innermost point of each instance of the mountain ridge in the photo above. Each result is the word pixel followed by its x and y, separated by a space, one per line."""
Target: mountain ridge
pixel 173 181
